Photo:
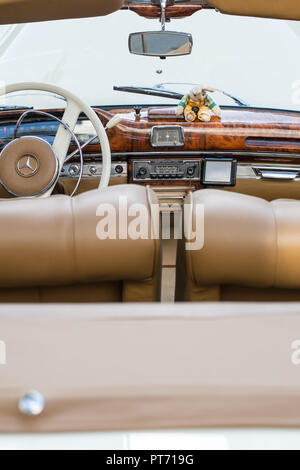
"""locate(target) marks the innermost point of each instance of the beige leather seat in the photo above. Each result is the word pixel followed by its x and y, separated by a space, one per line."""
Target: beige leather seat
pixel 251 250
pixel 50 251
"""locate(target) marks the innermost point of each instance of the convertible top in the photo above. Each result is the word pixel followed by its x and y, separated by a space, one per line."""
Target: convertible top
pixel 282 9
pixel 27 11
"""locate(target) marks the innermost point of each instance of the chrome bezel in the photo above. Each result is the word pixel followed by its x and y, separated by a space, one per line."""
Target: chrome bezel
pixel 178 129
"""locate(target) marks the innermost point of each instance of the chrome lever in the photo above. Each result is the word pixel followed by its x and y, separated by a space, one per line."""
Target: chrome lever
pixel 276 174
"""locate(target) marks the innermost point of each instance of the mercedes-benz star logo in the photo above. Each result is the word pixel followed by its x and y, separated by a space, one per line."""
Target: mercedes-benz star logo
pixel 27 166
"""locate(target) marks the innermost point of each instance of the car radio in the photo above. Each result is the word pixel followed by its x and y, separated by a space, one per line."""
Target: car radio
pixel 166 170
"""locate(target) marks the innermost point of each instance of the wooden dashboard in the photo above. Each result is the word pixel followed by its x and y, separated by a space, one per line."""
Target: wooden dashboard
pixel 238 129
pixel 262 141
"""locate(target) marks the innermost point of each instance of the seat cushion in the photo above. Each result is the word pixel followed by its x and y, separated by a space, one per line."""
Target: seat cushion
pixel 53 241
pixel 247 241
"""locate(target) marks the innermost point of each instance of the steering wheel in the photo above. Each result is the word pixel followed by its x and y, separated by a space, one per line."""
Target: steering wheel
pixel 30 166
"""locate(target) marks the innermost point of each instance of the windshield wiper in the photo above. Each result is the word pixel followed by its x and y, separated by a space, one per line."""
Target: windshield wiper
pixel 149 91
pixel 160 91
pixel 239 101
pixel 8 107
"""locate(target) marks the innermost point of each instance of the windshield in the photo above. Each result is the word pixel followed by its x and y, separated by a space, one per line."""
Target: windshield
pixel 254 59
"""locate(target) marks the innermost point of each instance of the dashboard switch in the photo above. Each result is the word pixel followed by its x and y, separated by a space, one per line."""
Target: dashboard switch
pixel 93 170
pixel 74 170
pixel 119 169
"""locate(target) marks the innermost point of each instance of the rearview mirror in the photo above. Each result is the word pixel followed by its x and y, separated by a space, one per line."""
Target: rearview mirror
pixel 160 43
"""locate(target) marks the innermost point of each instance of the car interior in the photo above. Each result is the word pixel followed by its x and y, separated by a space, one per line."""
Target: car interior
pixel 250 249
pixel 226 231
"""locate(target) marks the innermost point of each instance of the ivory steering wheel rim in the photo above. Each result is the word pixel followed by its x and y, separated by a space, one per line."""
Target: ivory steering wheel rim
pixel 75 106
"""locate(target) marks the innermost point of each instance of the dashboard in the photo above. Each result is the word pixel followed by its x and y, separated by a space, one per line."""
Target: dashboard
pixel 152 146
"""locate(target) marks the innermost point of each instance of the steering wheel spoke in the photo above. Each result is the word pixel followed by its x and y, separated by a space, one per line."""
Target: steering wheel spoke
pixel 62 139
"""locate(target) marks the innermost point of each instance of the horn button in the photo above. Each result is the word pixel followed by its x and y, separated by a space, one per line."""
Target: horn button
pixel 28 166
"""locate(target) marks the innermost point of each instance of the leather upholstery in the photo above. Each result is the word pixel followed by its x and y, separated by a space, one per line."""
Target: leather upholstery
pixel 53 242
pixel 282 9
pixel 266 189
pixel 77 293
pixel 27 11
pixel 249 242
pixel 23 180
pixel 124 366
pixel 22 11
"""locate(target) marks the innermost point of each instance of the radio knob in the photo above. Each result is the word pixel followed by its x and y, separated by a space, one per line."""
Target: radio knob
pixel 142 171
pixel 74 170
pixel 191 170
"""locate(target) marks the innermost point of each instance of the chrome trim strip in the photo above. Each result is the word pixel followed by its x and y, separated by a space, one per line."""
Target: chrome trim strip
pixel 196 153
pixel 201 153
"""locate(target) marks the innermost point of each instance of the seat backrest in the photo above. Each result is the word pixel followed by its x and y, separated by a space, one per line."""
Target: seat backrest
pixel 251 249
pixel 56 242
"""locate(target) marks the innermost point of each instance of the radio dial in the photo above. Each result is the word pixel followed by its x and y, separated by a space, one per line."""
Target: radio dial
pixel 190 171
pixel 142 171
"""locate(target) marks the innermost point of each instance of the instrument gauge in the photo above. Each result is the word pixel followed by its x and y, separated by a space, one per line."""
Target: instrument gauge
pixel 167 136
